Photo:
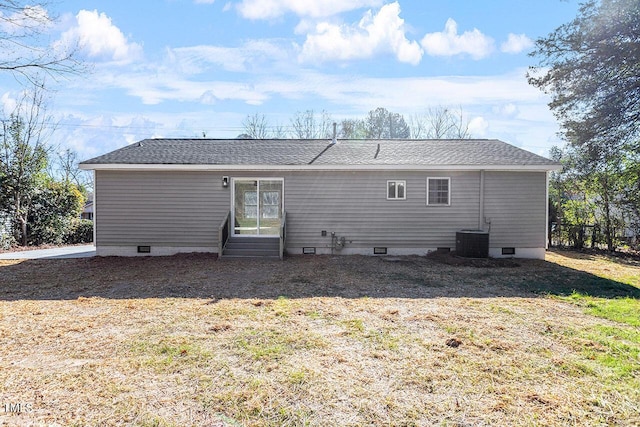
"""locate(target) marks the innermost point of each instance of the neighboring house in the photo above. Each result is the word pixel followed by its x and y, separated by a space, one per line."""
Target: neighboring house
pixel 87 210
pixel 165 196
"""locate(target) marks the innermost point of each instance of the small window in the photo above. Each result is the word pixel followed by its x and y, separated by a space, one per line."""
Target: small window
pixel 396 190
pixel 438 192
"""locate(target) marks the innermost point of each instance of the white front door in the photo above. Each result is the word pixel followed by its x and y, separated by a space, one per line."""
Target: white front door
pixel 257 206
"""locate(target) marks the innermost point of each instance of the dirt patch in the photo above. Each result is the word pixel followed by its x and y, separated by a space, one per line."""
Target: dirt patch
pixel 201 276
pixel 191 341
pixel 450 258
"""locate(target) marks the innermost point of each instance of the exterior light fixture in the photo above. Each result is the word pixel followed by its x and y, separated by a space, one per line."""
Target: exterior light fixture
pixel 225 181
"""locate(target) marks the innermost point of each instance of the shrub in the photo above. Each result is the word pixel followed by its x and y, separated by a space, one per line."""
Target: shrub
pixel 55 207
pixel 6 240
pixel 80 231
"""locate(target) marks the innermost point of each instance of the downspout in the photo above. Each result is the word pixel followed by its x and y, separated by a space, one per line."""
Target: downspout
pixel 546 212
pixel 95 210
pixel 481 203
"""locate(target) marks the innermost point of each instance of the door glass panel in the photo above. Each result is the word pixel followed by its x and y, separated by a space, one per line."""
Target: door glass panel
pixel 246 207
pixel 257 207
pixel 270 206
pixel 251 204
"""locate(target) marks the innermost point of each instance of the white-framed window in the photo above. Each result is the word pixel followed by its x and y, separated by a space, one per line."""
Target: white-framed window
pixel 438 191
pixel 396 190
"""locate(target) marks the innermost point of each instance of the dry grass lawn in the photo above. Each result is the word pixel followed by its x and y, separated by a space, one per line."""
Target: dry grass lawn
pixel 348 341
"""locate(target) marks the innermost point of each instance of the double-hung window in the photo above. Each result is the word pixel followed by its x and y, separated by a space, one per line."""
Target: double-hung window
pixel 438 191
pixel 396 190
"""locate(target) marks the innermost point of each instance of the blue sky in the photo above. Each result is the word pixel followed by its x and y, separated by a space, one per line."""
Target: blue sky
pixel 178 68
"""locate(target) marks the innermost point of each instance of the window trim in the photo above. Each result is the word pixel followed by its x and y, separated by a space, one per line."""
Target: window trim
pixel 448 179
pixel 404 183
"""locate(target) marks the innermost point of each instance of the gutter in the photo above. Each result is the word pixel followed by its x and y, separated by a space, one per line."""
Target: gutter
pixel 314 167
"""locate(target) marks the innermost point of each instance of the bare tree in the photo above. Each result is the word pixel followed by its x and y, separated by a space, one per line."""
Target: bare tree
pixel 255 126
pixel 325 126
pixel 279 131
pixel 23 156
pixel 304 124
pixel 440 123
pixel 68 170
pixel 307 126
pixel 25 48
pixel 417 126
pixel 460 126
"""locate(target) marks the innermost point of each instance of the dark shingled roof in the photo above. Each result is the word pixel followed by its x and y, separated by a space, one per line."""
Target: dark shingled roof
pixel 290 152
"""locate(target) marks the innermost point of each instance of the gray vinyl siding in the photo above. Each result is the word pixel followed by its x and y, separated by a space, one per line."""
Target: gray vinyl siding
pixel 515 203
pixel 158 208
pixel 171 208
pixel 354 205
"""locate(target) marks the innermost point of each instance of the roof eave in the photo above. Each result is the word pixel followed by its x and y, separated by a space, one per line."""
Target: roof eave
pixel 315 167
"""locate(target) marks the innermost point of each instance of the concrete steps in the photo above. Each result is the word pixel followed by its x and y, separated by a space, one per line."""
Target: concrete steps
pixel 263 247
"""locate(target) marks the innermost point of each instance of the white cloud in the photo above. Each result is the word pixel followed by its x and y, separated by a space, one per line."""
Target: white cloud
pixel 98 38
pixel 365 93
pixel 185 75
pixel 380 33
pixel 8 103
pixel 506 110
pixel 169 86
pixel 478 127
pixel 204 1
pixel 196 59
pixel 516 43
pixel 270 9
pixel 305 26
pixel 450 43
pixel 92 135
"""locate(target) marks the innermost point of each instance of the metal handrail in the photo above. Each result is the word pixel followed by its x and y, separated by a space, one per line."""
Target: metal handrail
pixel 223 233
pixel 283 233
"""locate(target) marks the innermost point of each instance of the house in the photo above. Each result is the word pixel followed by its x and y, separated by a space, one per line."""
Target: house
pixel 253 197
pixel 87 210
